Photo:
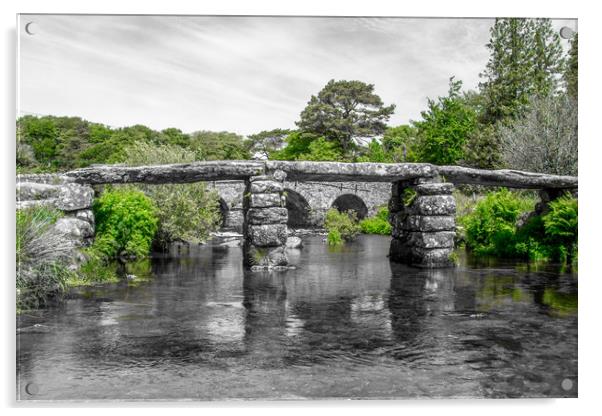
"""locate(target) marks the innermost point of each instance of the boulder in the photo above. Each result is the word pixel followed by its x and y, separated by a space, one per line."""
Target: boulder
pixel 269 235
pixel 429 223
pixel 265 200
pixel 259 187
pixel 440 239
pixel 31 191
pixel 274 215
pixel 433 205
pixel 434 189
pixel 86 215
pixel 74 228
pixel 73 197
pixel 294 242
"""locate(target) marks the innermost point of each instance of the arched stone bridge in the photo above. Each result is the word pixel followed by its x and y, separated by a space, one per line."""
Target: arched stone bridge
pixel 422 231
pixel 307 202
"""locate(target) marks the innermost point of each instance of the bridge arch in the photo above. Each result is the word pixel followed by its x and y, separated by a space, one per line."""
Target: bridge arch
pixel 298 210
pixel 351 202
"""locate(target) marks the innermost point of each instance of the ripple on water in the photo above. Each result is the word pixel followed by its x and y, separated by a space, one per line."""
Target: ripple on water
pixel 344 323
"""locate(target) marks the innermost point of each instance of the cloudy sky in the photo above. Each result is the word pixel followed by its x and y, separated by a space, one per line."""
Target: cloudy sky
pixel 241 74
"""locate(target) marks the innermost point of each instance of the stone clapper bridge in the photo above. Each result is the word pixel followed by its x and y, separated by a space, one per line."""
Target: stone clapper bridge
pixel 423 231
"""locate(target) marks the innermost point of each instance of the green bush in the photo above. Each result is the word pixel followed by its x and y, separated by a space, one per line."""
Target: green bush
pixel 334 238
pixel 341 226
pixel 491 227
pixel 126 223
pixel 379 224
pixel 187 212
pixel 494 228
pixel 561 227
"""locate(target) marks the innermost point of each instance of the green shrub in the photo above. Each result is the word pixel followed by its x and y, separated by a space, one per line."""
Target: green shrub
pixel 561 227
pixel 187 212
pixel 126 223
pixel 379 224
pixel 491 227
pixel 96 269
pixel 334 238
pixel 41 257
pixel 341 226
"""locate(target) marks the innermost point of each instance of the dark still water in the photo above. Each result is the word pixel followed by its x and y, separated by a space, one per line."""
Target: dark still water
pixel 345 324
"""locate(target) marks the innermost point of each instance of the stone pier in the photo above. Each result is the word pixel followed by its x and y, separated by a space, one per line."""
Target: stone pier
pixel 423 227
pixel 265 218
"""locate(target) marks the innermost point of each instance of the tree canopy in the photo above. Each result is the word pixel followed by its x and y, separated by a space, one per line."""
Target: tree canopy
pixel 445 127
pixel 344 111
pixel 525 59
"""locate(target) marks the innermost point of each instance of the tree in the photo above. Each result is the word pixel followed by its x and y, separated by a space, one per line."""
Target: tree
pixel 266 142
pixel 401 143
pixel 445 127
pixel 483 148
pixel 223 145
pixel 42 135
pixel 307 146
pixel 545 138
pixel 175 136
pixel 344 111
pixel 525 60
pixel 571 73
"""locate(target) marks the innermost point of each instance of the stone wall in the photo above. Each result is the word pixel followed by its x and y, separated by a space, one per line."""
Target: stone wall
pixel 60 192
pixel 423 231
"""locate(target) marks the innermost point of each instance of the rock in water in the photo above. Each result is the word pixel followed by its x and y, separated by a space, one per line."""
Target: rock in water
pixel 294 242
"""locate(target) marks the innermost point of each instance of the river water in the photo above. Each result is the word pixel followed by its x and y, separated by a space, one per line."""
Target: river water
pixel 346 323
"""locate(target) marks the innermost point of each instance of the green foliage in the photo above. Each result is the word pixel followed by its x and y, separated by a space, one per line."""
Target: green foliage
pixel 571 72
pixel 223 145
pixel 401 143
pixel 334 238
pixel 186 212
pixel 267 141
pixel 379 224
pixel 375 153
pixel 499 226
pixel 96 269
pixel 306 146
pixel 126 223
pixel 61 143
pixel 408 195
pixel 561 226
pixel 341 226
pixel 525 60
pixel 343 111
pixel 491 227
pixel 483 149
pixel 445 127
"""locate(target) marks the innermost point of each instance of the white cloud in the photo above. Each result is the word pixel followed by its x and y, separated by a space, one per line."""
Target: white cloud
pixel 242 74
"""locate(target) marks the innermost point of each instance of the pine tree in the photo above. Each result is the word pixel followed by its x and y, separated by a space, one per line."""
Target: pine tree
pixel 548 62
pixel 525 60
pixel 571 71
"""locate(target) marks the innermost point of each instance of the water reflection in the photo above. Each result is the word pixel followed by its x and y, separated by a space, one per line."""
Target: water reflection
pixel 346 323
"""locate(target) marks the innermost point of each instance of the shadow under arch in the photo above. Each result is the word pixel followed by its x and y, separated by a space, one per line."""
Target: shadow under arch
pixel 350 202
pixel 298 210
pixel 224 212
